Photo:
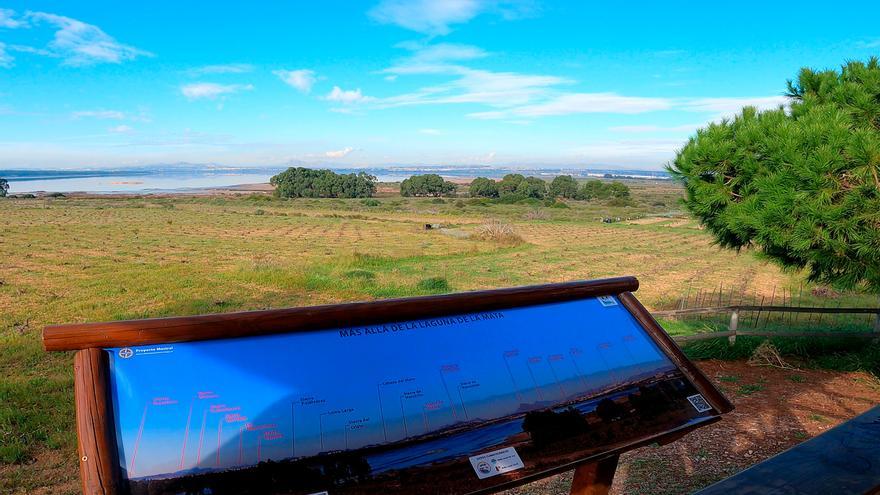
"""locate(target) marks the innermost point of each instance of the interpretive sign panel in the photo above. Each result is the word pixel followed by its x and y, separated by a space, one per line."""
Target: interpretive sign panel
pixel 458 403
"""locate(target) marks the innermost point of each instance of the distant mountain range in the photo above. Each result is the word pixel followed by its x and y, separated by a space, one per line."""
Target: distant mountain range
pixel 386 173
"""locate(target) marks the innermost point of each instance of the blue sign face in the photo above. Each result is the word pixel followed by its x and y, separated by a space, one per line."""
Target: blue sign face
pixel 453 404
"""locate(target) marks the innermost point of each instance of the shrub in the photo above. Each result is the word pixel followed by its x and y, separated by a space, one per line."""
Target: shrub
pixel 360 274
pixel 259 198
pixel 370 202
pixel 56 195
pixel 4 187
pixel 483 187
pixel 564 186
pixel 434 284
pixel 620 202
pixel 536 215
pixel 497 231
pixel 479 202
pixel 530 202
pixel 510 198
pixel 426 185
pixel 618 190
pixel 509 183
pixel 302 182
pixel 559 204
pixel 532 187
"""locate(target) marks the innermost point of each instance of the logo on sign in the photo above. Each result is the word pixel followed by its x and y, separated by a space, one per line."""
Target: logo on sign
pixel 607 301
pixel 484 467
pixel 126 353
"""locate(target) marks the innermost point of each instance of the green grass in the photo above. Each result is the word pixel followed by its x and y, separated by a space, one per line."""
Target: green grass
pixel 749 389
pixel 74 260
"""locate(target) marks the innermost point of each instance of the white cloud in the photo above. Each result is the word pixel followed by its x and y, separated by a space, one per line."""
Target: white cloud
pixel 121 129
pixel 432 17
pixel 339 153
pixel 31 49
pixel 431 132
pixel 436 17
pixel 627 152
pixel 98 114
pixel 868 44
pixel 302 79
pixel 83 44
pixel 212 91
pixel 441 52
pixel 498 89
pixel 655 128
pixel 571 103
pixel 735 104
pixel 222 69
pixel 7 21
pixel 347 97
pixel 5 58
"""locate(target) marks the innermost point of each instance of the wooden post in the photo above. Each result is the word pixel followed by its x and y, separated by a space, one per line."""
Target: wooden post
pixel 594 478
pixel 734 322
pixel 98 461
pixel 877 324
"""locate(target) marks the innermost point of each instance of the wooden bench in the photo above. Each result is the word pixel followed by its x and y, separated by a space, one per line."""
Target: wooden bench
pixel 843 460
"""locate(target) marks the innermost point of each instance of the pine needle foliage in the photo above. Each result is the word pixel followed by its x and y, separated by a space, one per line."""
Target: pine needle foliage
pixel 801 183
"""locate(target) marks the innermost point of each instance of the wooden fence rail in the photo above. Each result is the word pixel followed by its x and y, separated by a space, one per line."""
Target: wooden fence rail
pixel 735 311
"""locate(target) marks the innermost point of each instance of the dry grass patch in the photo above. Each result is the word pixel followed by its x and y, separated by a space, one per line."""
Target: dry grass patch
pixel 499 232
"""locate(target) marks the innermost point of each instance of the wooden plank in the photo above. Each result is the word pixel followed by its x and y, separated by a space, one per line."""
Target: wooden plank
pixel 253 323
pixel 98 460
pixel 784 309
pixel 594 478
pixel 668 345
pixel 702 336
pixel 717 335
pixel 857 335
pixel 844 459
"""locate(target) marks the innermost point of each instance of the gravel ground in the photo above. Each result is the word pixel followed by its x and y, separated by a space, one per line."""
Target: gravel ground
pixel 775 409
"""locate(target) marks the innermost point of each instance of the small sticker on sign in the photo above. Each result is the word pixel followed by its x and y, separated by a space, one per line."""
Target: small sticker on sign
pixel 607 301
pixel 699 403
pixel 496 462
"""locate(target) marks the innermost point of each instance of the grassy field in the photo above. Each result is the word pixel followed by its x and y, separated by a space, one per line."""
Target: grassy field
pixel 92 259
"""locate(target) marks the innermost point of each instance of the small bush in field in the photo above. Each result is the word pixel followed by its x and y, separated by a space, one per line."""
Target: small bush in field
pixel 497 231
pixel 434 284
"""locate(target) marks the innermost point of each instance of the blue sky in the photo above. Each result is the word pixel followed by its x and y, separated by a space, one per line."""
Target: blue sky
pixel 393 82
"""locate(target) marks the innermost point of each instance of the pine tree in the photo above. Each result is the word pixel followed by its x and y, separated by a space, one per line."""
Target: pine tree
pixel 800 184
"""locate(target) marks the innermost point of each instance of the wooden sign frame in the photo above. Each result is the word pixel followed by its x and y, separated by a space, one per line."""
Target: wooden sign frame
pixel 98 453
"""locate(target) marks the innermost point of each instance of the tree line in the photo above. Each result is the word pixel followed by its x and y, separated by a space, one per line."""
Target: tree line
pixel 426 185
pixel 300 182
pixel 513 186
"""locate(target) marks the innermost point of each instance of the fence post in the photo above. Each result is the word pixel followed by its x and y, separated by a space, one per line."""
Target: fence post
pixel 877 324
pixel 734 322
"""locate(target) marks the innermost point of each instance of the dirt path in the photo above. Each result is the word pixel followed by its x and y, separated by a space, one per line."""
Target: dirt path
pixel 775 409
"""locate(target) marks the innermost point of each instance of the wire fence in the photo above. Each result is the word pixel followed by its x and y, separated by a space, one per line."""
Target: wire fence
pixel 730 314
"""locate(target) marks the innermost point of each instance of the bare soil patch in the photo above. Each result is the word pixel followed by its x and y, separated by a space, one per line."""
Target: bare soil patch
pixel 775 409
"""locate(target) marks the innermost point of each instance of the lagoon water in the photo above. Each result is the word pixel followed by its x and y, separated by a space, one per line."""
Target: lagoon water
pixel 192 178
pixel 134 182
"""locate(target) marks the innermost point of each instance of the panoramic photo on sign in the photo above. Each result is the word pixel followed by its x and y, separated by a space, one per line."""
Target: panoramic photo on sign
pixel 474 400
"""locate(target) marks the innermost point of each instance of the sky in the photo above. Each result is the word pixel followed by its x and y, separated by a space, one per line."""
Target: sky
pixel 346 83
pixel 176 405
